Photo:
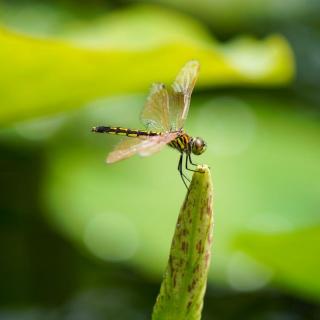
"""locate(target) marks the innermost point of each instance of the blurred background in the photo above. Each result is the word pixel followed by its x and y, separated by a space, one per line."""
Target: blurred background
pixel 83 240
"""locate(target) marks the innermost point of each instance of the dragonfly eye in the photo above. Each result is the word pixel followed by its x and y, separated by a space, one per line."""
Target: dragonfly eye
pixel 198 146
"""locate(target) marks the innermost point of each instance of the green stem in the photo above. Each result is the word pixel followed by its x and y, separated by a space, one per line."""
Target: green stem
pixel 184 283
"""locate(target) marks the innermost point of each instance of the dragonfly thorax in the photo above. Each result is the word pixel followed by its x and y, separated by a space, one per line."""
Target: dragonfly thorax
pixel 186 144
pixel 197 145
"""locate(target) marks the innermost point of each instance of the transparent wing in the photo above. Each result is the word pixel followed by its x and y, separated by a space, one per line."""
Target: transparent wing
pixel 143 146
pixel 180 95
pixel 155 114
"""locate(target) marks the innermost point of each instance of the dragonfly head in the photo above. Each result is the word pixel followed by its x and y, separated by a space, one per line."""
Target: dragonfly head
pixel 198 146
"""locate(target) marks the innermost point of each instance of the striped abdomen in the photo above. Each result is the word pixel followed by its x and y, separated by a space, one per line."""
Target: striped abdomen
pixel 125 132
pixel 181 143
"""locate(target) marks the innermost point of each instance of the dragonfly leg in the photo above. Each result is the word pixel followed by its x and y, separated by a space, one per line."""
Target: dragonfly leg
pixel 194 164
pixel 180 168
pixel 182 175
pixel 188 159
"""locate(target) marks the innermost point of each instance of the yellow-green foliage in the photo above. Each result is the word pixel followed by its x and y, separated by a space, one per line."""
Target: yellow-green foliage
pixel 46 75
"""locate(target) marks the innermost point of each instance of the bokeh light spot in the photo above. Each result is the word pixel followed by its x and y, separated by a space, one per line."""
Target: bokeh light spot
pixel 246 274
pixel 101 237
pixel 270 222
pixel 232 124
pixel 41 128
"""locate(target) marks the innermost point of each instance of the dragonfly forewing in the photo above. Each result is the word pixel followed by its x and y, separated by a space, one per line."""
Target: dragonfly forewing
pixel 155 114
pixel 180 94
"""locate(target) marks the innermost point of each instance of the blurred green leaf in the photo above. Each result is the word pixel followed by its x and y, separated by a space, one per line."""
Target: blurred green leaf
pixel 254 146
pixel 293 256
pixel 132 49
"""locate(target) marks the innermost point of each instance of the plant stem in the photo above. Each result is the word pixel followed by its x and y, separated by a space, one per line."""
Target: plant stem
pixel 184 283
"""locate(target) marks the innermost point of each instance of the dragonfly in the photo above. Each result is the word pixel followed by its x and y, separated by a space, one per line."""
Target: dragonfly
pixel 163 117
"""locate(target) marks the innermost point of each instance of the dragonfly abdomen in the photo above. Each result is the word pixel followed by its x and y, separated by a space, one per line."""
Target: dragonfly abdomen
pixel 125 131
